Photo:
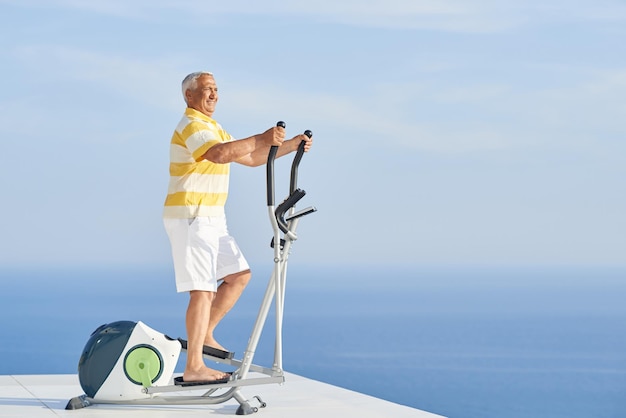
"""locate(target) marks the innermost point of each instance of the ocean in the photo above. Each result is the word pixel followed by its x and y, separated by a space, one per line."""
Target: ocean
pixel 460 341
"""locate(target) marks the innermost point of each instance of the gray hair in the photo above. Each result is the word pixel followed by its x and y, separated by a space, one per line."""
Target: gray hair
pixel 190 82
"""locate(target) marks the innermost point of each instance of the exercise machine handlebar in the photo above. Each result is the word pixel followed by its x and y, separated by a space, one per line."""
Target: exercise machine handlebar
pixel 270 169
pixel 295 194
pixel 293 185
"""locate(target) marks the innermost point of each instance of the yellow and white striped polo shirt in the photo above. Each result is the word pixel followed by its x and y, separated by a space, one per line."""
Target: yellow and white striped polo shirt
pixel 197 187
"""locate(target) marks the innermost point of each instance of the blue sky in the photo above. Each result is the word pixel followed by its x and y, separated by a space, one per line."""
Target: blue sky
pixel 446 132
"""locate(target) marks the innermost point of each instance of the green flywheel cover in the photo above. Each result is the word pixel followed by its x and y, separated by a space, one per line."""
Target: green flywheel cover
pixel 143 365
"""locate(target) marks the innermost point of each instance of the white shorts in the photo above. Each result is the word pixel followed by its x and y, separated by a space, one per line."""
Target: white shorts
pixel 203 252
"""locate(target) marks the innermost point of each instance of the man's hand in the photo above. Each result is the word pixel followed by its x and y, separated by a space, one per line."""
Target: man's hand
pixel 308 142
pixel 274 136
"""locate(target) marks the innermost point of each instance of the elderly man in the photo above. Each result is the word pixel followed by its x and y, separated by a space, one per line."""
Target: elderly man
pixel 207 261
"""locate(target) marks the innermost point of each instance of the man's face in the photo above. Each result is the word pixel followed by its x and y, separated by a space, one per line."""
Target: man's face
pixel 204 97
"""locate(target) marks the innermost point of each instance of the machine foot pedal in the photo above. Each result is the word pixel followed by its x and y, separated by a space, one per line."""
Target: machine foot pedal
pixel 211 351
pixel 180 382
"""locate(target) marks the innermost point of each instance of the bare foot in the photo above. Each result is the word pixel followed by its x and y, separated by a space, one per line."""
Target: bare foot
pixel 203 375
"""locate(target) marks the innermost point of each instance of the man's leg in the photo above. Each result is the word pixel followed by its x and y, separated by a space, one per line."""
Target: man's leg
pixel 227 295
pixel 198 315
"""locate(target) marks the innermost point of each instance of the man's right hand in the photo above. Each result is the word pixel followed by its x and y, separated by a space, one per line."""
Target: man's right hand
pixel 274 136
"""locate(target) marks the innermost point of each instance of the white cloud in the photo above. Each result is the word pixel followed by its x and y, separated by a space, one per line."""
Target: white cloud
pixel 440 15
pixel 148 80
pixel 472 116
pixel 358 121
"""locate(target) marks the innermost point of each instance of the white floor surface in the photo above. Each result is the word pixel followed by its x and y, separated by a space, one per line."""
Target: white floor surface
pixel 39 396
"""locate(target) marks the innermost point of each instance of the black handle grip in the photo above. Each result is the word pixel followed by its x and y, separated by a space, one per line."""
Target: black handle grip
pixel 270 168
pixel 293 184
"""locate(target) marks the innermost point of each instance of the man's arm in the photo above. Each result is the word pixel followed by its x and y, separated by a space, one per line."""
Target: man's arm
pixel 253 151
pixel 229 152
pixel 259 155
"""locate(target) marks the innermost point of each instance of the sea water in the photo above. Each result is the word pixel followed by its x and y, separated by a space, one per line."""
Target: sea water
pixel 466 342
